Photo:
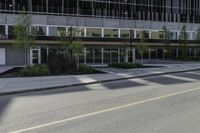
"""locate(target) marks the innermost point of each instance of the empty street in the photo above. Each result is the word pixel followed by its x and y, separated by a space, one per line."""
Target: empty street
pixel 158 104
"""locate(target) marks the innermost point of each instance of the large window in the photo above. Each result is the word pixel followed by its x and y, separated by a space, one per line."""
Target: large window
pixel 174 35
pixel 56 31
pixel 55 6
pixel 39 5
pixel 2 29
pixel 141 32
pixel 94 32
pixel 111 33
pixel 21 5
pixel 39 30
pixel 156 35
pixel 10 30
pixel 76 31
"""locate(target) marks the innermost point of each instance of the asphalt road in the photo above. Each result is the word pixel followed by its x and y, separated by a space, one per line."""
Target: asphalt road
pixel 159 104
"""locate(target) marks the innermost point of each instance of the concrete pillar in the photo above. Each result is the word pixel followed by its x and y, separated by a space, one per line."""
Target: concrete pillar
pixel 63 6
pixel 47 30
pixel 6 30
pixel 13 5
pixel 118 55
pixel 156 54
pixel 30 8
pixel 47 6
pixel 195 52
pixel 149 53
pixel 110 55
pixel 85 32
pixel 93 51
pixel 47 54
pixel 126 55
pixel 134 57
pixel 177 53
pixel 119 33
pixel 102 34
pixel 163 52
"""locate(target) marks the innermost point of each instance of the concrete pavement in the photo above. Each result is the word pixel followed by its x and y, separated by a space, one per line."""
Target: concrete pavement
pixel 165 103
pixel 19 85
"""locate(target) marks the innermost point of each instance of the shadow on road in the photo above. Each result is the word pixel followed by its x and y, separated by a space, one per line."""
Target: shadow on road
pixel 6 101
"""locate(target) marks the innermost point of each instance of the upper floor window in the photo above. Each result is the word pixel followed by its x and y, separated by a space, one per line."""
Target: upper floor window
pixel 111 33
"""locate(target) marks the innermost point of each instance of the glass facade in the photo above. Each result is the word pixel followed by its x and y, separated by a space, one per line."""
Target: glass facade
pixel 56 31
pixel 157 35
pixel 39 30
pixel 94 32
pixel 139 34
pixel 154 10
pixel 2 29
pixel 111 33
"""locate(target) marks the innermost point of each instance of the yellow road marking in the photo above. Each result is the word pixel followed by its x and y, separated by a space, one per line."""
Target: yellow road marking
pixel 104 111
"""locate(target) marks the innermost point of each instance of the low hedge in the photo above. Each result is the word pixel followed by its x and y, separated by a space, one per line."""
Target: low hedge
pixel 189 58
pixel 86 69
pixel 126 65
pixel 36 70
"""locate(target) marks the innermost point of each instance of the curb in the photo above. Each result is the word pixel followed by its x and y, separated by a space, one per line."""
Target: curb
pixel 89 83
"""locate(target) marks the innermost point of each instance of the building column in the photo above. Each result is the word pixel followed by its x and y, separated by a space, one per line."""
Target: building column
pixel 30 8
pixel 149 53
pixel 13 5
pixel 47 54
pixel 119 33
pixel 110 56
pixel 177 53
pixel 163 54
pixel 126 55
pixel 85 32
pixel 47 6
pixel 47 30
pixel 6 29
pixel 195 52
pixel 156 54
pixel 63 6
pixel 102 32
pixel 93 51
pixel 134 57
pixel 118 55
pixel 85 55
pixel 102 56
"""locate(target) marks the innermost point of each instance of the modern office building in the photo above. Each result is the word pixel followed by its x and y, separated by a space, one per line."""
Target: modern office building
pixel 106 27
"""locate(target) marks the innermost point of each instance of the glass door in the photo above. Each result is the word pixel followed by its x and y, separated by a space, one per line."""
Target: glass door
pixel 35 56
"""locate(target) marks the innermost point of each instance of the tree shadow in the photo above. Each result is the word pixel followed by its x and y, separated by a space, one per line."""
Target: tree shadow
pixel 165 80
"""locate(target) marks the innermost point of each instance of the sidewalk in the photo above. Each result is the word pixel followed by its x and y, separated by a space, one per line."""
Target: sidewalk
pixel 19 85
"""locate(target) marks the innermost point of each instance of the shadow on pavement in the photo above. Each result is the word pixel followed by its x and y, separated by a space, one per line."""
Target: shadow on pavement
pixel 6 101
pixel 166 80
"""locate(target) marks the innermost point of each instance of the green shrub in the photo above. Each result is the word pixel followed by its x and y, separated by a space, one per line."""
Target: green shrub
pixel 86 69
pixel 36 70
pixel 60 64
pixel 125 65
pixel 189 58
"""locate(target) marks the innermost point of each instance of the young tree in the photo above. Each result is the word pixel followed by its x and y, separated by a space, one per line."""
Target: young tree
pixel 77 49
pixel 22 33
pixel 183 37
pixel 141 47
pixel 73 45
pixel 166 41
